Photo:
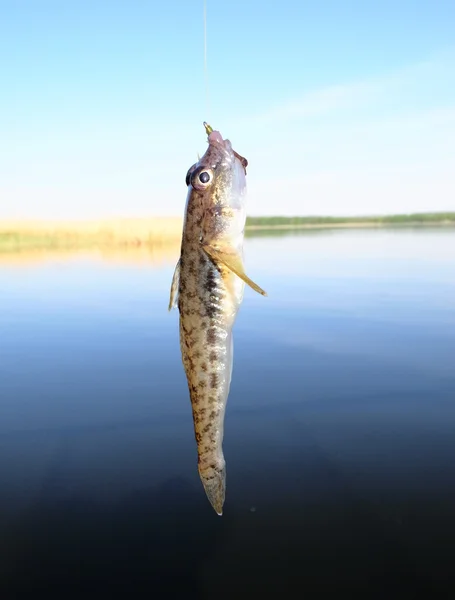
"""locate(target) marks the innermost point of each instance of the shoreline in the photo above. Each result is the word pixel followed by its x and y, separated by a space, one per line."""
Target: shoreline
pixel 163 233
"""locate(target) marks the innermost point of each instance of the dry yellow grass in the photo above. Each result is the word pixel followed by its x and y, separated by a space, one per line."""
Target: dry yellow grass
pixel 147 240
pixel 141 230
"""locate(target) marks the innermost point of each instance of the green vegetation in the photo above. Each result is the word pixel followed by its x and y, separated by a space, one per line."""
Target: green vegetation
pixel 405 219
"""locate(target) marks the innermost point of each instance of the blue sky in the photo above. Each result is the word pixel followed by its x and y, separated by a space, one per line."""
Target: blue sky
pixel 340 107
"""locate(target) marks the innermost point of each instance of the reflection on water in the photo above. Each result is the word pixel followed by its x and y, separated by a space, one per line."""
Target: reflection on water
pixel 154 254
pixel 339 429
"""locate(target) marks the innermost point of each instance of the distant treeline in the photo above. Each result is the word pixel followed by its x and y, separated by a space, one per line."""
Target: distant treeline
pixel 440 217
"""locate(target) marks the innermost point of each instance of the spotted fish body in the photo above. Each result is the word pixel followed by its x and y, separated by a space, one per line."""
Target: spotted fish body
pixel 208 287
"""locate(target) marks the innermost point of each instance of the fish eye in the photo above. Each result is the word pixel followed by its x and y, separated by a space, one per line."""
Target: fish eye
pixel 204 177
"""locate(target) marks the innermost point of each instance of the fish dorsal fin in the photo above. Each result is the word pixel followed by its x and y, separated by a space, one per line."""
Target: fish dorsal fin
pixel 174 287
pixel 234 263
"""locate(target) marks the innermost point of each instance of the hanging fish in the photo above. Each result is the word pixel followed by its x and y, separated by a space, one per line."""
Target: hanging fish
pixel 208 286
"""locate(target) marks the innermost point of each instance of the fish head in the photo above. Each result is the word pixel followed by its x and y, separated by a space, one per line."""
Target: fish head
pixel 218 182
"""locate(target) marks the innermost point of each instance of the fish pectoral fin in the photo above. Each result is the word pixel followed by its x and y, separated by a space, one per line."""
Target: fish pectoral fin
pixel 234 263
pixel 174 287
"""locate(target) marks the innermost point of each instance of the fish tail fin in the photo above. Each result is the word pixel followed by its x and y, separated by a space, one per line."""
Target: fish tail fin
pixel 214 483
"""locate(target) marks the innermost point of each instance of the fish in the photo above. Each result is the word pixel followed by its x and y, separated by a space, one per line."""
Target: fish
pixel 207 287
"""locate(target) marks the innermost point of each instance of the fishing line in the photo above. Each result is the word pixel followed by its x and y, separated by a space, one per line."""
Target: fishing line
pixel 206 72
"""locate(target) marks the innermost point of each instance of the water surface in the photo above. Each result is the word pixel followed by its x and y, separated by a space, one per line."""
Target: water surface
pixel 339 435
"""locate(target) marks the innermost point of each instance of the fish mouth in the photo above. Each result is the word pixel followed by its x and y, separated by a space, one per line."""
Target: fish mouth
pixel 213 136
pixel 217 138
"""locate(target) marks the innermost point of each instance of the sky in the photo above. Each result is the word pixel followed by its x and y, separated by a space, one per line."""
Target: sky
pixel 341 107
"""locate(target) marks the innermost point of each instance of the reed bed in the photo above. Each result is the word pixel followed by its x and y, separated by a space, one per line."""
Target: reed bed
pixel 18 236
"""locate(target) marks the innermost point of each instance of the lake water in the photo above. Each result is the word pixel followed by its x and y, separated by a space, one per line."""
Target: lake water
pixel 339 436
